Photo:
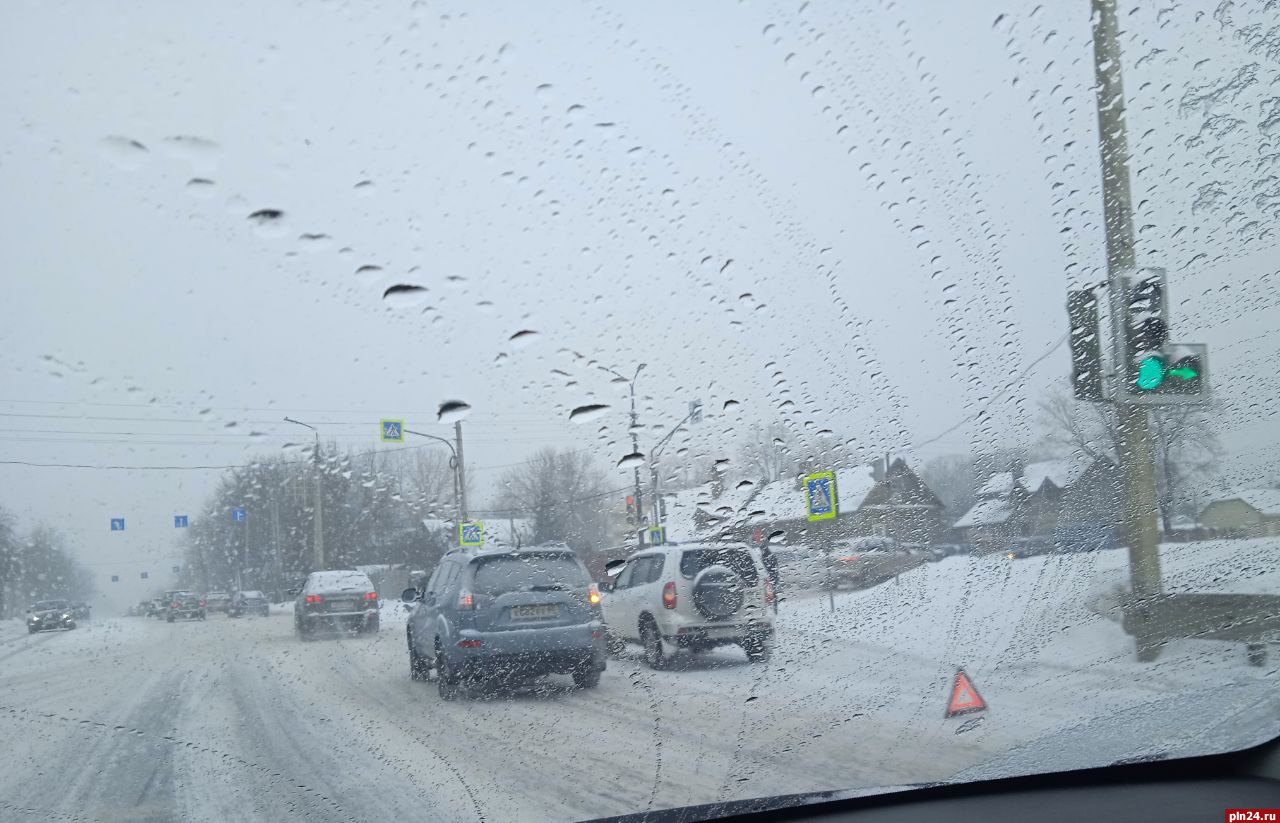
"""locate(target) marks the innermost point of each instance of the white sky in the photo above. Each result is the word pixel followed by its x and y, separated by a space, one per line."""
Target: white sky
pixel 905 191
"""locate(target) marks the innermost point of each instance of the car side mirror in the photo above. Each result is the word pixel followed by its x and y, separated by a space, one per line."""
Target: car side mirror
pixel 605 585
pixel 409 595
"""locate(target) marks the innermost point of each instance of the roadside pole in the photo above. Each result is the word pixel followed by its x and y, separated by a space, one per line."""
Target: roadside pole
pixel 1136 456
pixel 319 518
pixel 462 469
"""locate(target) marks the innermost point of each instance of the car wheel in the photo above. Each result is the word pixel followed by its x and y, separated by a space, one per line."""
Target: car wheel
pixel 654 654
pixel 758 649
pixel 587 678
pixel 168 618
pixel 446 677
pixel 71 625
pixel 419 666
pixel 303 633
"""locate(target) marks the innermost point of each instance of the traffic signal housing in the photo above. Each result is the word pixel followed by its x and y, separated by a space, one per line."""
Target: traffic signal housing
pixel 1086 347
pixel 1156 371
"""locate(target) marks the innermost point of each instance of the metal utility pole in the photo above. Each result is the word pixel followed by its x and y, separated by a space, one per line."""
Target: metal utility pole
pixel 1136 456
pixel 635 445
pixel 459 505
pixel 318 541
pixel 462 469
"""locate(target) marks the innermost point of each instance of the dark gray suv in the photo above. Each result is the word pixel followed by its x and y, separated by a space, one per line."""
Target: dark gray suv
pixel 492 615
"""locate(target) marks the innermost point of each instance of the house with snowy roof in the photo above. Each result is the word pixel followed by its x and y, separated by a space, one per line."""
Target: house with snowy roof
pixel 871 501
pixel 1245 513
pixel 1061 501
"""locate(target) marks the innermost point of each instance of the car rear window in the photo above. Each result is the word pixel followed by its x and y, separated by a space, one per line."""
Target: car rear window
pixel 739 560
pixel 515 573
pixel 339 581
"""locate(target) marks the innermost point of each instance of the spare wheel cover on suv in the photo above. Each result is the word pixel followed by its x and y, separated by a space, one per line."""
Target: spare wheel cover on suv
pixel 718 592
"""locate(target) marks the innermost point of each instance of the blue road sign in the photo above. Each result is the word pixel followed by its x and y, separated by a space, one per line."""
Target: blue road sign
pixel 145 575
pixel 392 431
pixel 820 495
pixel 117 524
pixel 471 534
pixel 115 578
pixel 657 535
pixel 179 521
pixel 237 514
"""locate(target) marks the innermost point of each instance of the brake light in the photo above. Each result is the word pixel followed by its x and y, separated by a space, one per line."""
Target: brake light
pixel 669 596
pixel 850 558
pixel 768 591
pixel 593 595
pixel 202 604
pixel 313 598
pixel 468 644
pixel 371 596
pixel 466 600
pixel 173 605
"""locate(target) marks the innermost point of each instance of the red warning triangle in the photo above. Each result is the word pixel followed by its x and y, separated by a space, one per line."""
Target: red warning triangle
pixel 964 697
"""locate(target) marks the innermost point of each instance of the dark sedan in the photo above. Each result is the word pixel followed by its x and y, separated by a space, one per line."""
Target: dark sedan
pixel 48 615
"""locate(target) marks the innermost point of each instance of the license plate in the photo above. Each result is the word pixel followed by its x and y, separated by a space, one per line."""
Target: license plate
pixel 538 612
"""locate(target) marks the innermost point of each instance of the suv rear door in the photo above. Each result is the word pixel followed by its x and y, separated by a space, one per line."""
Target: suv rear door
pixel 529 590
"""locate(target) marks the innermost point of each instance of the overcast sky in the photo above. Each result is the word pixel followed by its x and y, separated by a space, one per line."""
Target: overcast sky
pixel 854 217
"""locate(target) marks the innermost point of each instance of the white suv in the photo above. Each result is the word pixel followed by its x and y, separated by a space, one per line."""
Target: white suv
pixel 691 596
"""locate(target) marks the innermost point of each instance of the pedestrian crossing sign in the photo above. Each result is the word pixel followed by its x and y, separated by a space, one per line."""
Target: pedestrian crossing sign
pixel 392 431
pixel 471 534
pixel 820 496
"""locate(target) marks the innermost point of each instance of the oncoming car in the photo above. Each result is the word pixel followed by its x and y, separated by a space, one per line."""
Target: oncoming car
pixel 338 599
pixel 693 597
pixel 47 615
pixel 486 616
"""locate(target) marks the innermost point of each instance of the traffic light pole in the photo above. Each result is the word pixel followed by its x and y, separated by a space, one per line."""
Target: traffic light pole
pixel 1135 453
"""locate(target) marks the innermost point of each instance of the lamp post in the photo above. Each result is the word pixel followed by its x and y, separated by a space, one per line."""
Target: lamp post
pixel 318 542
pixel 453 464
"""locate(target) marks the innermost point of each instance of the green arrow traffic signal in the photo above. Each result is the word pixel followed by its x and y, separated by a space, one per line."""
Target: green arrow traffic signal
pixel 1183 372
pixel 1151 372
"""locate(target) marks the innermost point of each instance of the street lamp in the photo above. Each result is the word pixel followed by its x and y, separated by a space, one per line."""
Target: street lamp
pixel 453 464
pixel 635 435
pixel 318 547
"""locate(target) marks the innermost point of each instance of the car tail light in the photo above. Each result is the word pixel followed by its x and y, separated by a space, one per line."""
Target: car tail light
pixel 313 598
pixel 371 596
pixel 593 595
pixel 173 605
pixel 669 596
pixel 202 604
pixel 850 558
pixel 467 601
pixel 768 590
pixel 468 644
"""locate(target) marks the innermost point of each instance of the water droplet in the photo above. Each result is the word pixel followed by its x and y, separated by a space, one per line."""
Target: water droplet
pixel 452 410
pixel 731 404
pixel 123 152
pixel 629 460
pixel 268 223
pixel 523 338
pixel 202 188
pixel 586 414
pixel 365 188
pixel 404 295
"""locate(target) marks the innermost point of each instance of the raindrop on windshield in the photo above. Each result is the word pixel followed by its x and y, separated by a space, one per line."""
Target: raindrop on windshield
pixel 404 295
pixel 630 460
pixel 451 411
pixel 586 414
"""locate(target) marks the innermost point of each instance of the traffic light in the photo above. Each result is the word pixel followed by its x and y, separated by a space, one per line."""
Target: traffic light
pixel 1157 371
pixel 631 509
pixel 1086 348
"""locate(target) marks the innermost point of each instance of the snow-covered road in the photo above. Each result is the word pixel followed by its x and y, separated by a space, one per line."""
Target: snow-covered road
pixel 131 719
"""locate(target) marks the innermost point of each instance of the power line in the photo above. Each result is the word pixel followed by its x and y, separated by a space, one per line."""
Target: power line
pixel 997 395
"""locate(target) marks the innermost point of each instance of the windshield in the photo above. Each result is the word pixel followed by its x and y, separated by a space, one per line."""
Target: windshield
pixel 950 328
pixel 528 572
pixel 50 605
